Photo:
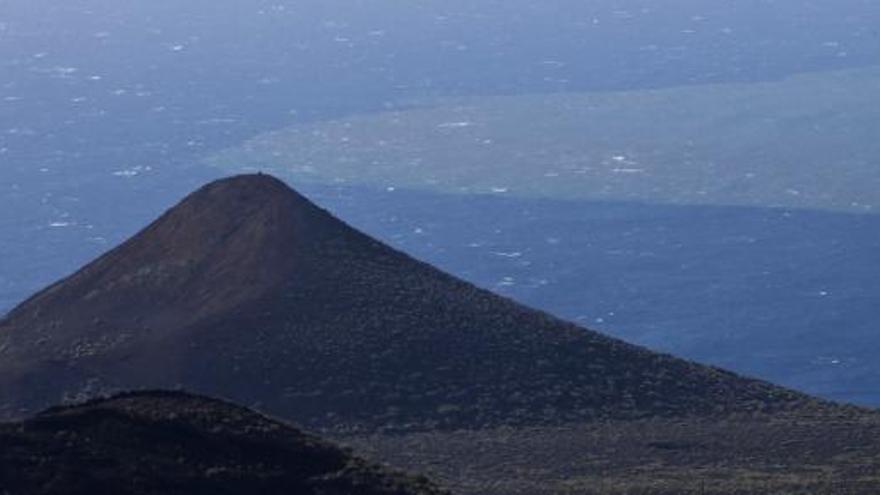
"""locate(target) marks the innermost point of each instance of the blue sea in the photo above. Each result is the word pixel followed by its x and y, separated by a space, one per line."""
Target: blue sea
pixel 107 110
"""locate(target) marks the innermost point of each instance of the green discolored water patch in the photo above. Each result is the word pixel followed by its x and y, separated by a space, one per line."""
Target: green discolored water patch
pixel 805 141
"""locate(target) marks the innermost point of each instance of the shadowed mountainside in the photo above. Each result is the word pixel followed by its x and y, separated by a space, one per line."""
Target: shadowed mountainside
pixel 175 443
pixel 247 290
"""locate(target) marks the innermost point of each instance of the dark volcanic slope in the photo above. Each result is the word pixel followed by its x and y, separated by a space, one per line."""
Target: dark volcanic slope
pixel 173 443
pixel 248 291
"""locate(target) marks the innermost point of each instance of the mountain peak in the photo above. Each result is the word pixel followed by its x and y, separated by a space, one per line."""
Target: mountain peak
pixel 223 207
pixel 227 243
pixel 257 188
pixel 247 290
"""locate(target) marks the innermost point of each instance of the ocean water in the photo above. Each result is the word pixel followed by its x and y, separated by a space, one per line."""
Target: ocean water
pixel 110 111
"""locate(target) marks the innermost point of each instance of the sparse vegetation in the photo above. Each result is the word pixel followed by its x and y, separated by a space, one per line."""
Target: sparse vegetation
pixel 826 454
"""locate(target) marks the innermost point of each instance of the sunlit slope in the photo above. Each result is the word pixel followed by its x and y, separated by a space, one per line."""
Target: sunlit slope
pixel 805 141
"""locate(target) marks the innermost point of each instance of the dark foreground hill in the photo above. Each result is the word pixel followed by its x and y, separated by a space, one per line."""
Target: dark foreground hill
pixel 247 290
pixel 173 443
